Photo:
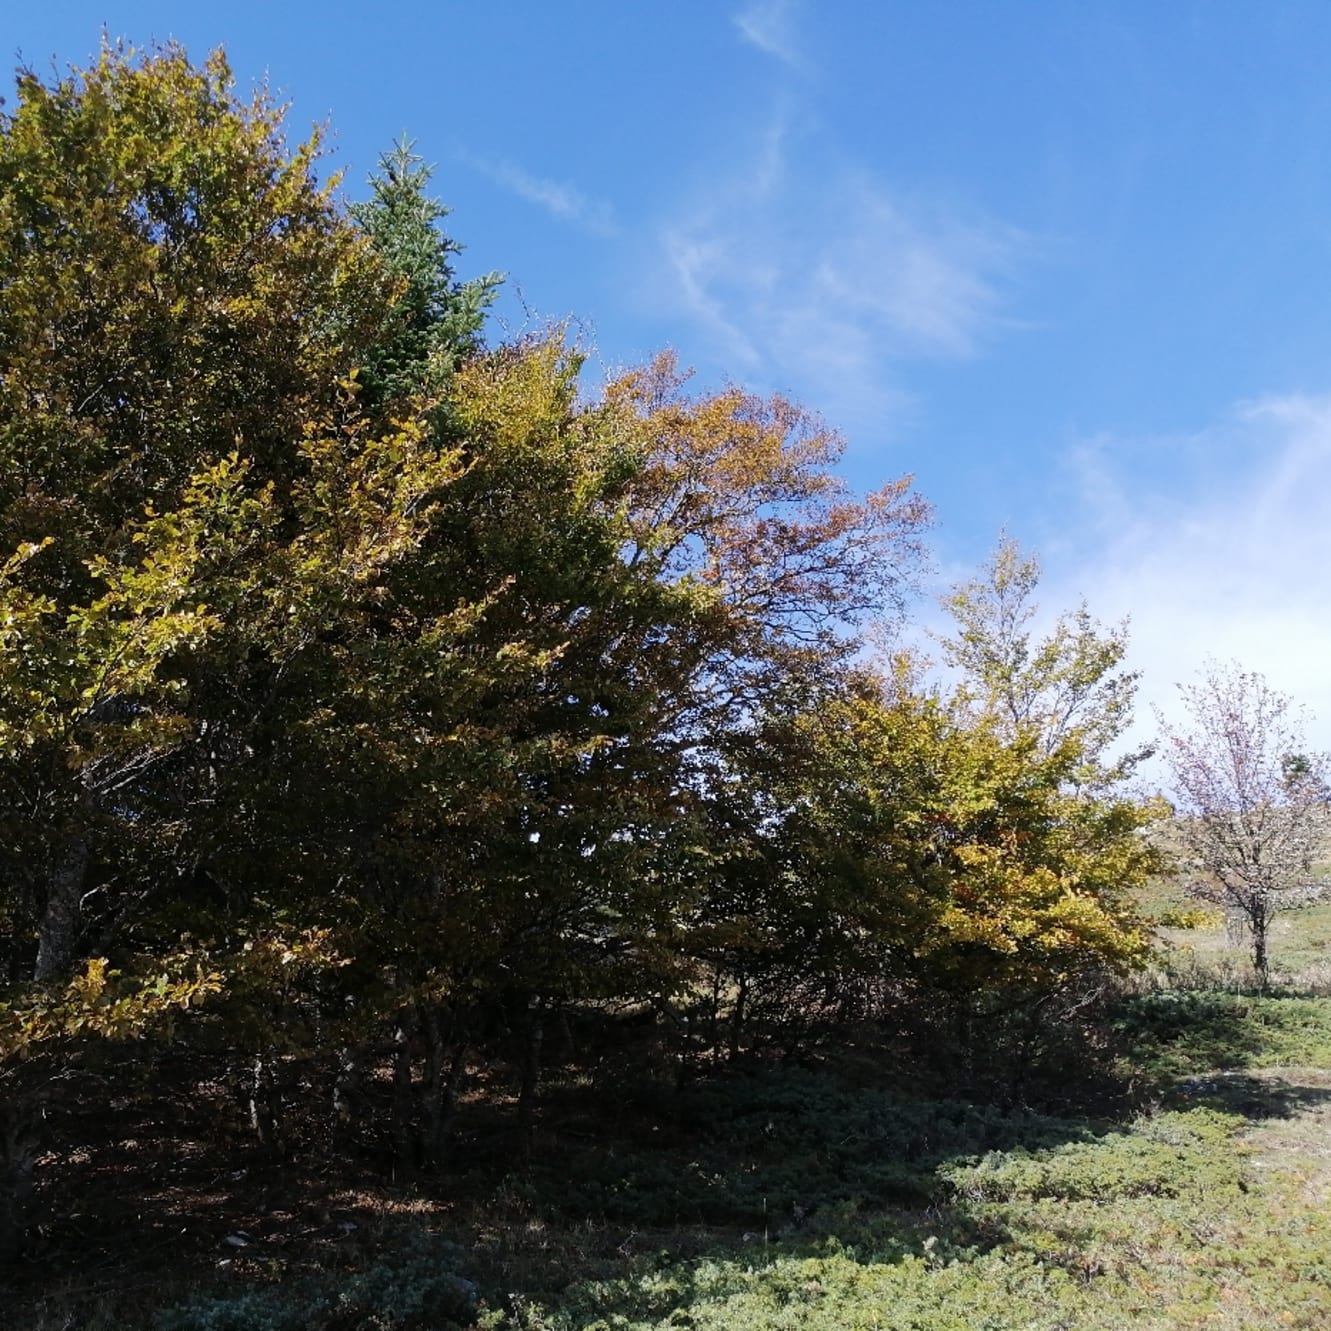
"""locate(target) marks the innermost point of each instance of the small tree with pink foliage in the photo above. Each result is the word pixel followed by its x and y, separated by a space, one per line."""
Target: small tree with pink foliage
pixel 1251 798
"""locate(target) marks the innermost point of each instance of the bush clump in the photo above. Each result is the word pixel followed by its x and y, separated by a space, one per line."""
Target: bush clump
pixel 418 1289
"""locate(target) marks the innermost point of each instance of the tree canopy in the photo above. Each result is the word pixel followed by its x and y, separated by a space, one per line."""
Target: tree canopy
pixel 371 690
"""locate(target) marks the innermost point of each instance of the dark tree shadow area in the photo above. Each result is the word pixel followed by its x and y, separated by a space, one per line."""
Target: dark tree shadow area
pixel 158 1191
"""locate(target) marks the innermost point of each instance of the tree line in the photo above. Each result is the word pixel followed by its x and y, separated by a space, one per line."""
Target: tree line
pixel 377 694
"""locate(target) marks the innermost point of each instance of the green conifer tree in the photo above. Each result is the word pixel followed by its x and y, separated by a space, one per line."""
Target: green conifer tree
pixel 439 318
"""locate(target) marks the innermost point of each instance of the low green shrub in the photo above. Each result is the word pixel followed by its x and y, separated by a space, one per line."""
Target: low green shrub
pixel 1177 1033
pixel 418 1288
pixel 765 1147
pixel 1170 1155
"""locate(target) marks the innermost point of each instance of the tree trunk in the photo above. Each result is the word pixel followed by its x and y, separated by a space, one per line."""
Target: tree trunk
pixel 18 1159
pixel 263 1118
pixel 346 1092
pixel 404 1116
pixel 57 935
pixel 1261 921
pixel 531 1072
pixel 737 1017
pixel 965 1037
pixel 440 1085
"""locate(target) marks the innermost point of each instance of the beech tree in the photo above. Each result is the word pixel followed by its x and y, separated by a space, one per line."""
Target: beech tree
pixel 978 842
pixel 905 843
pixel 1069 684
pixel 181 306
pixel 197 519
pixel 1251 797
pixel 665 558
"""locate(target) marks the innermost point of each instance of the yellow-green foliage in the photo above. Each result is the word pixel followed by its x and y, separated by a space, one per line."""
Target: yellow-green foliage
pixel 1185 917
pixel 102 1002
pixel 941 838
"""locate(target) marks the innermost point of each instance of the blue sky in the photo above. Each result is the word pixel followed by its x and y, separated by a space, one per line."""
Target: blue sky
pixel 1068 262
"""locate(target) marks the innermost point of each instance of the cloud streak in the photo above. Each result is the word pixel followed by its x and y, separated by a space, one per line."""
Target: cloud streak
pixel 820 280
pixel 559 199
pixel 769 25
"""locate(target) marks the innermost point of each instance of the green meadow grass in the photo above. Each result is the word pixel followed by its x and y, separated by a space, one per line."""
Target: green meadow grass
pixel 828 1199
pixel 1206 1209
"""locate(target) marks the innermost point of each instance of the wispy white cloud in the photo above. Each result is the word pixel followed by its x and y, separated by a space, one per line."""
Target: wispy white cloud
pixel 558 198
pixel 770 25
pixel 695 258
pixel 816 277
pixel 1232 560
